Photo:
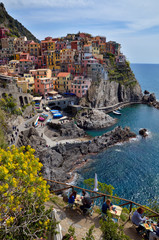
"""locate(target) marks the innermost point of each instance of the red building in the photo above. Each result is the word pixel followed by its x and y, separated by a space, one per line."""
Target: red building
pixel 74 45
pixel 4 32
pixel 59 45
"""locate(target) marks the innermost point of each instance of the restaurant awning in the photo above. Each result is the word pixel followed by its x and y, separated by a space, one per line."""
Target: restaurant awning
pixel 53 93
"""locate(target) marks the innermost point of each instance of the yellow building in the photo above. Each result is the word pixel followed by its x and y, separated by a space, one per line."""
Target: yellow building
pixel 49 59
pixel 102 48
pixel 22 84
pixel 56 57
pixel 63 82
pixel 53 60
pixel 51 45
pixel 34 49
pixel 95 50
pixel 55 85
pixel 30 79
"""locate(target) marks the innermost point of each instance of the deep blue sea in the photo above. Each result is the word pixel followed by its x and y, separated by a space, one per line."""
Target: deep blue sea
pixel 133 167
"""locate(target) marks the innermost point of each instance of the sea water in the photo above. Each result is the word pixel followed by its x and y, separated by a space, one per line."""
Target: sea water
pixel 132 167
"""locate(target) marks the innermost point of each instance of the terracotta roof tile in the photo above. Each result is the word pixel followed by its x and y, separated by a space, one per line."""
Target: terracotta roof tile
pixel 63 74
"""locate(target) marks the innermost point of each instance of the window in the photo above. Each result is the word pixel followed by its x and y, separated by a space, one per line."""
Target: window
pixel 38 85
pixel 79 91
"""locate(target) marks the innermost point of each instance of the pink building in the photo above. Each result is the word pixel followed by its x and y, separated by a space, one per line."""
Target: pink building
pixel 43 86
pixel 80 85
pixel 88 60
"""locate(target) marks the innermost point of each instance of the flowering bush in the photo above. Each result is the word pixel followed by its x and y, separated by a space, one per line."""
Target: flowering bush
pixel 23 193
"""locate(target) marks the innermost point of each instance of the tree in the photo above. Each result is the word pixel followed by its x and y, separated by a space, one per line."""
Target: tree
pixel 23 194
pixel 8 104
pixel 102 187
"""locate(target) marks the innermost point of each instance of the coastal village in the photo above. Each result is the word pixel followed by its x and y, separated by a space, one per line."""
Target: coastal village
pixel 61 87
pixel 56 65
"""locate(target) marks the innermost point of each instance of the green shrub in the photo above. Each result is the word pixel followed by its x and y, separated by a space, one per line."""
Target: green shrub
pixel 111 230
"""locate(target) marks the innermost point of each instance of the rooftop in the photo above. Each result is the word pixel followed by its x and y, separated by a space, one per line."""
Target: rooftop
pixel 63 74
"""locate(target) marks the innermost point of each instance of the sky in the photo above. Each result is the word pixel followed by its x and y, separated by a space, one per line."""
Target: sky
pixel 132 23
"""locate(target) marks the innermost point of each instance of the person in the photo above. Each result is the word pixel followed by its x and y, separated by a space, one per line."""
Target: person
pixel 137 218
pixel 155 234
pixel 72 197
pixel 107 206
pixel 86 201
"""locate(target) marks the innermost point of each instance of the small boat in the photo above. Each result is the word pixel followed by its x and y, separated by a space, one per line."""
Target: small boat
pixel 117 112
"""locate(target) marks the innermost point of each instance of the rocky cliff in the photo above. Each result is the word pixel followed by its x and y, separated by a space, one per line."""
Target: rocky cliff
pixel 121 87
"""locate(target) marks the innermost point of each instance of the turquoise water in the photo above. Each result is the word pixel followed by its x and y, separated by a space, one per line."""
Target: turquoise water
pixel 133 167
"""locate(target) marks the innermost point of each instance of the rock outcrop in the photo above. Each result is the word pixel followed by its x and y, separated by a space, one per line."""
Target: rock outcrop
pixel 64 130
pixel 143 132
pixel 59 161
pixel 94 119
pixel 150 99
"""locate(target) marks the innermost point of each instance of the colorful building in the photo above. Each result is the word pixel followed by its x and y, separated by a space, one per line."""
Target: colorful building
pixel 22 84
pixel 67 55
pixel 4 32
pixel 25 66
pixel 30 80
pixel 63 82
pixel 102 48
pixel 41 73
pixel 113 47
pixel 80 86
pixel 59 45
pixel 34 49
pixel 43 86
pixel 87 48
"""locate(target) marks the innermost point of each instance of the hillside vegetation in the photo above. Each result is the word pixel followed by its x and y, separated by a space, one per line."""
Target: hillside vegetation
pixel 15 27
pixel 120 73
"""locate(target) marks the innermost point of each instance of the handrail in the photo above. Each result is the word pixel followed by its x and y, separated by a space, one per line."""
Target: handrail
pixel 103 195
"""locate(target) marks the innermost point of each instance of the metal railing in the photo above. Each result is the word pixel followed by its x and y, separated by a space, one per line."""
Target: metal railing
pixel 103 195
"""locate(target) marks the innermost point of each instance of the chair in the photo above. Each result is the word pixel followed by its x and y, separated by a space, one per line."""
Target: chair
pixel 89 211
